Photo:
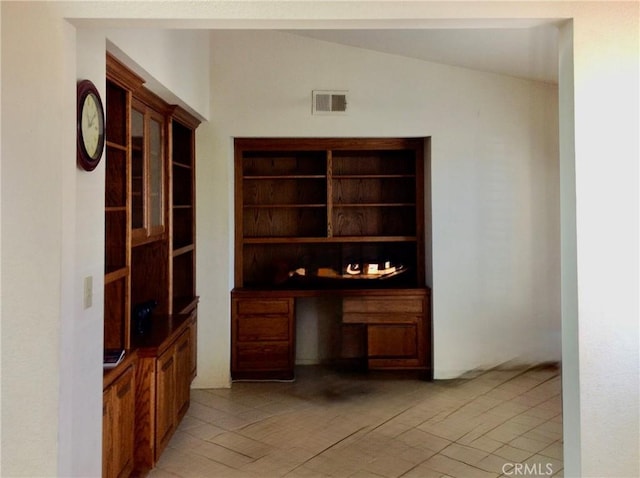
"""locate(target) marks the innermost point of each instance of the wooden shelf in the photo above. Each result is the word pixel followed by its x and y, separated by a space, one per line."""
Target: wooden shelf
pixel 149 256
pixel 327 240
pixel 374 204
pixel 183 250
pixel 115 275
pixel 181 165
pixel 115 209
pixel 373 176
pixel 120 147
pixel 286 177
pixel 329 199
pixel 276 206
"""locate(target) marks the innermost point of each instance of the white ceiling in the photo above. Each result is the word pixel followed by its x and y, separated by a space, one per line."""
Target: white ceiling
pixel 529 53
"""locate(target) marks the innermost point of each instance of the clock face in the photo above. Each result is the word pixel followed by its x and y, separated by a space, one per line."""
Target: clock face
pixel 91 125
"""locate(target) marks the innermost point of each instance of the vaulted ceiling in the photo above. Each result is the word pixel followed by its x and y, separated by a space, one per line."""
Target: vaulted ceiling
pixel 527 52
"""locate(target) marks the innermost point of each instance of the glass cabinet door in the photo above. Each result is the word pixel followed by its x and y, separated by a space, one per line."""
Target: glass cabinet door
pixel 137 169
pixel 156 176
pixel 147 173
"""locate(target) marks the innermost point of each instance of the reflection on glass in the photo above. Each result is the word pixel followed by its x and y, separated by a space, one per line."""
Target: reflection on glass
pixel 137 176
pixel 155 173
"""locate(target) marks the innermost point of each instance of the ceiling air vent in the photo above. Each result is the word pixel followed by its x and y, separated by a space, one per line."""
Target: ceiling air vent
pixel 329 102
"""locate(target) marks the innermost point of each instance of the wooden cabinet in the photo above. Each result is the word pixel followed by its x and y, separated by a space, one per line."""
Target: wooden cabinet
pixel 396 326
pixel 263 337
pixel 319 206
pixel 163 386
pixel 173 381
pixel 118 419
pixel 149 258
pixel 330 216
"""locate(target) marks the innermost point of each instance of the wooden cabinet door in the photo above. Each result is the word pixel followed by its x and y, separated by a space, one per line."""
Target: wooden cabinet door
pixel 395 326
pixel 124 423
pixel 118 415
pixel 392 341
pixel 193 347
pixel 183 374
pixel 107 430
pixel 165 399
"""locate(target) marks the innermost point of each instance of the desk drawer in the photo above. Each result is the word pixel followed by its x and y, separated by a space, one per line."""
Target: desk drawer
pixel 364 310
pixel 260 356
pixel 263 306
pixel 262 328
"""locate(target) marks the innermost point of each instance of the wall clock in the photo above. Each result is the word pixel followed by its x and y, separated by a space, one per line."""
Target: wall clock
pixel 90 125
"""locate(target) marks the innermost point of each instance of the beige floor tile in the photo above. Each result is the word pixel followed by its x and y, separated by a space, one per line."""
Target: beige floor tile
pixel 448 429
pixel 465 454
pixel 494 464
pixel 424 440
pixel 543 436
pixel 221 455
pixel 528 444
pixel 205 431
pixel 389 467
pixel 485 443
pixel 364 474
pixel 189 465
pixel 416 455
pixel 513 454
pixel 241 444
pixel 555 450
pixel 456 468
pixel 423 471
pixel 526 419
pixel 326 424
pixel 508 431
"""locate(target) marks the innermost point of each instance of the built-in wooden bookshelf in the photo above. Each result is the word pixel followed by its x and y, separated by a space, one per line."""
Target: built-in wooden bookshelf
pixel 326 203
pixel 322 216
pixel 149 259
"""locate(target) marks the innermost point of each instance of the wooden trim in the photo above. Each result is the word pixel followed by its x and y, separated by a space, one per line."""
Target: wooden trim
pixel 329 194
pixel 121 75
pixel 321 144
pixel 183 116
pixel 111 375
pixel 239 214
pixel 152 100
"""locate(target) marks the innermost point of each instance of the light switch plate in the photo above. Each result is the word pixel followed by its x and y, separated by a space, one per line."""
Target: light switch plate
pixel 88 292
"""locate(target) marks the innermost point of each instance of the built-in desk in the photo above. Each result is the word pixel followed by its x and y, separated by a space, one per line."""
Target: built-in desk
pixel 396 324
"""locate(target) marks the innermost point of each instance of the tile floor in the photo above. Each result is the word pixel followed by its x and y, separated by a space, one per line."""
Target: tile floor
pixel 498 423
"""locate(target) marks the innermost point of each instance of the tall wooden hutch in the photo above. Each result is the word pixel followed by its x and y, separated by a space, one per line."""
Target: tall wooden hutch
pixel 149 264
pixel 330 217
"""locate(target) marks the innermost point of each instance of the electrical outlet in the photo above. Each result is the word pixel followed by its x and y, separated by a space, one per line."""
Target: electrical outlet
pixel 88 292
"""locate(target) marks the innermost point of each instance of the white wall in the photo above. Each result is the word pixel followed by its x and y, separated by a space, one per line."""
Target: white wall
pixel 495 190
pixel 600 315
pixel 607 200
pixel 54 214
pixel 38 161
pixel 175 63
